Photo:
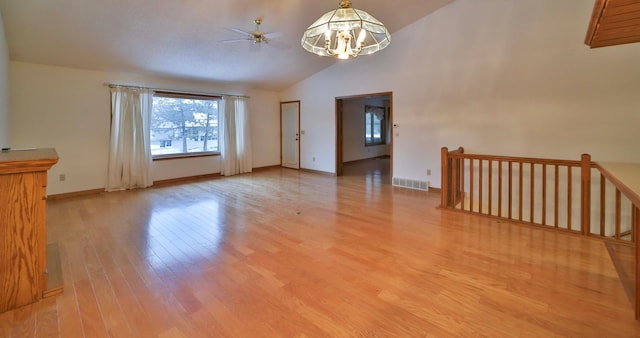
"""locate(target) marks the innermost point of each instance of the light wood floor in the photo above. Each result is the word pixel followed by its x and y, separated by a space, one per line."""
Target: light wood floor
pixel 287 253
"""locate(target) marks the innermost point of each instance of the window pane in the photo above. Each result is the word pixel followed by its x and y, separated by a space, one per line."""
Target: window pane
pixel 374 125
pixel 367 128
pixel 377 130
pixel 184 125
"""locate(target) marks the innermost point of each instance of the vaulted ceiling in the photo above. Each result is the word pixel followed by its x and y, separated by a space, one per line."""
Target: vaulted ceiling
pixel 182 38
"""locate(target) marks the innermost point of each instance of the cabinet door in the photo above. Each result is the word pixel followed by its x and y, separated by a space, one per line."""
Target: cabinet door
pixel 21 223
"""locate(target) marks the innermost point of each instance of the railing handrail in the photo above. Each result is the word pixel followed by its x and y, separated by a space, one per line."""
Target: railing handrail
pixel 630 193
pixel 534 160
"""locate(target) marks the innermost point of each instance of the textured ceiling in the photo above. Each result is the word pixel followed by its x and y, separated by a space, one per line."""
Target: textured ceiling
pixel 182 38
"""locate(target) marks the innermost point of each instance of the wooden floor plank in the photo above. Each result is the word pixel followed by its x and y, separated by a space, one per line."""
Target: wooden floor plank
pixel 288 253
pixel 47 319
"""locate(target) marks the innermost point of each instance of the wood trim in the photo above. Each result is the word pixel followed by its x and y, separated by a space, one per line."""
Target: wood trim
pixel 170 181
pixel 23 161
pixel 364 96
pixel 178 180
pixel 183 156
pixel 339 100
pixel 435 190
pixel 624 188
pixel 516 159
pixel 598 8
pixel 365 159
pixel 55 282
pixel 265 168
pixel 315 171
pixel 613 22
pixel 75 194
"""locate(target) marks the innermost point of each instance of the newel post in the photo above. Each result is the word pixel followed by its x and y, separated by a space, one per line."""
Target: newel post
pixel 444 176
pixel 585 193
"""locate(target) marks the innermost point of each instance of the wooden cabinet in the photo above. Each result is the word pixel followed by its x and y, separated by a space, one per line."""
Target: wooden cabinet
pixel 23 242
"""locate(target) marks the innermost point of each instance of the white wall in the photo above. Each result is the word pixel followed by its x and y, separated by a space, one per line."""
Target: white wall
pixel 69 109
pixel 494 76
pixel 5 116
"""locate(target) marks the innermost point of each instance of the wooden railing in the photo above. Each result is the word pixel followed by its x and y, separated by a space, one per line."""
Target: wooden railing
pixel 551 193
pixel 546 192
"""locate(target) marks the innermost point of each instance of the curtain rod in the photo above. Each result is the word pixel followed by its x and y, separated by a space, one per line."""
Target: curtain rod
pixel 116 85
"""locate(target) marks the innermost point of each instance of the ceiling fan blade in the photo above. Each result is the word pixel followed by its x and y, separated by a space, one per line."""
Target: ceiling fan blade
pixel 240 31
pixel 235 40
pixel 273 35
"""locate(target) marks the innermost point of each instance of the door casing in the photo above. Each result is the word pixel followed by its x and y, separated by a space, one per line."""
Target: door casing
pixel 289 135
pixel 340 128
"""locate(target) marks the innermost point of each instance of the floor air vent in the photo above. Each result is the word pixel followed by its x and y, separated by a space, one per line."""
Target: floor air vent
pixel 411 184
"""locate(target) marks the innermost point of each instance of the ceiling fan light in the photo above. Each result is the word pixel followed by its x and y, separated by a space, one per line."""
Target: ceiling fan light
pixel 342 26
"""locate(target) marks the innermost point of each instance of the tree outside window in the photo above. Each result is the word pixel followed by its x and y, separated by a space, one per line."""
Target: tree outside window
pixel 184 124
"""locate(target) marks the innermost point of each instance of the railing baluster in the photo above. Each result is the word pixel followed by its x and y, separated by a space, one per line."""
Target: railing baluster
pixel 454 182
pixel 462 180
pixel 603 192
pixel 635 223
pixel 500 188
pixel 490 183
pixel 532 192
pixel 510 189
pixel 544 194
pixel 569 187
pixel 471 184
pixel 520 193
pixel 585 195
pixel 480 180
pixel 556 200
pixel 618 212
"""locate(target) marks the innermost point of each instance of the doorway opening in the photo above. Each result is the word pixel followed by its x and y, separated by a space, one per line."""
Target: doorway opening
pixel 364 137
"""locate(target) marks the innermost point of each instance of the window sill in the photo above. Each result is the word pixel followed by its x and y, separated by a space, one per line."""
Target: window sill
pixel 183 155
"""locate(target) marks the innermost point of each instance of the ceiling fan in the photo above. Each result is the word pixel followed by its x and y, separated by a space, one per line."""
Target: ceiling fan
pixel 256 36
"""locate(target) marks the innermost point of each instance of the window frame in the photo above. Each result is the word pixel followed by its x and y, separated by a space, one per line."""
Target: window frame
pixel 374 110
pixel 183 95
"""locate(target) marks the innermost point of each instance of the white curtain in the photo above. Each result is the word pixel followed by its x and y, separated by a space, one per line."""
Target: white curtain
pixel 235 137
pixel 130 151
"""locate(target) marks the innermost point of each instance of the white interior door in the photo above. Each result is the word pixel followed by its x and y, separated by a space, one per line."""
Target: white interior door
pixel 290 131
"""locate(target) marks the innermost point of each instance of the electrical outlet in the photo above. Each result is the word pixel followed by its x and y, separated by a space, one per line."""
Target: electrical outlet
pixel 62 177
pixel 428 172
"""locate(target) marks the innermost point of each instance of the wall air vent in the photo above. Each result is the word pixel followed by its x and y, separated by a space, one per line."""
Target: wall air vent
pixel 411 184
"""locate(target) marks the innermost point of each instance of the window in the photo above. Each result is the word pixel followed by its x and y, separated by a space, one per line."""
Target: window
pixel 184 125
pixel 374 130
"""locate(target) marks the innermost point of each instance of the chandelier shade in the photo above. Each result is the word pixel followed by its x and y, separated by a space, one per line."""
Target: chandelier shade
pixel 345 33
